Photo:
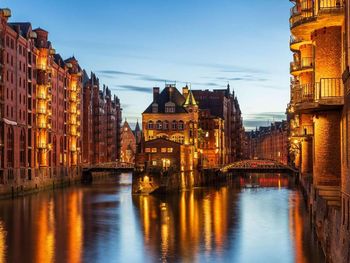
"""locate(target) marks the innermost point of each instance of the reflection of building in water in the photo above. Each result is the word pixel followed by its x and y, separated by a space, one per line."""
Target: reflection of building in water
pixel 300 231
pixel 180 226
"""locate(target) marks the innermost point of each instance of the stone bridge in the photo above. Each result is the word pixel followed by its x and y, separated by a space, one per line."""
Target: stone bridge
pixel 257 166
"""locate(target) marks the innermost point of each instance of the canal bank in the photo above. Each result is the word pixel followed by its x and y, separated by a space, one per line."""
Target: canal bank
pixel 44 179
pixel 326 218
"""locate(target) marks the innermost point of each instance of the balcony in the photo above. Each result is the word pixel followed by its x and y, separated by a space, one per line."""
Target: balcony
pixel 307 15
pixel 295 43
pixel 305 65
pixel 329 92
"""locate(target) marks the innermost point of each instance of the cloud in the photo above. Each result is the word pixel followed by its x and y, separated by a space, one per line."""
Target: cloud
pixel 253 120
pixel 132 88
pixel 120 73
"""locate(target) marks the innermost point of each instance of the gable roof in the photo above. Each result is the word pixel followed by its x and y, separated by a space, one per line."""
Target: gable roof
pixel 169 93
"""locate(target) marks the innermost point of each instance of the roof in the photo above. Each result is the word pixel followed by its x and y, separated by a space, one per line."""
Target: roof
pixel 24 27
pixel 137 128
pixel 190 100
pixel 59 60
pixel 169 93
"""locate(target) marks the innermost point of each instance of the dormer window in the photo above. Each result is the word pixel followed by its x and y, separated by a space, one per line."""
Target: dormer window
pixel 154 108
pixel 169 107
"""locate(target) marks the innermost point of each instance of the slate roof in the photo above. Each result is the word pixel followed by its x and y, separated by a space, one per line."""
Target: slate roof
pixel 24 27
pixel 169 93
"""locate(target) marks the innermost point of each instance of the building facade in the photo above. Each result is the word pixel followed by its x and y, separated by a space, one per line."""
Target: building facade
pixel 221 109
pixel 41 111
pixel 172 117
pixel 128 143
pixel 269 143
pixel 318 115
pixel 102 118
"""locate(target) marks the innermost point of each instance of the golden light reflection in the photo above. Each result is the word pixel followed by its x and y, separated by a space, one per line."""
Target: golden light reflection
pixel 3 246
pixel 296 226
pixel 75 233
pixel 46 233
pixel 185 224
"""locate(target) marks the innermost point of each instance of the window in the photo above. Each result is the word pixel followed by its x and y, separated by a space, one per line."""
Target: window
pixel 181 125
pixel 10 147
pixel 166 125
pixel 154 150
pixel 148 150
pixel 159 125
pixel 154 163
pixel 170 150
pixel 174 125
pixel 150 125
pixel 154 108
pixel 163 150
pixel 22 149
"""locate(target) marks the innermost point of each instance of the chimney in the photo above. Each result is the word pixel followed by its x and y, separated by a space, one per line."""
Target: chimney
pixel 185 91
pixel 155 93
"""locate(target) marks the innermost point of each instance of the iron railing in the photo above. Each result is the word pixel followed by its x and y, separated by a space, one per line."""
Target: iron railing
pixel 327 88
pixel 308 10
pixel 303 64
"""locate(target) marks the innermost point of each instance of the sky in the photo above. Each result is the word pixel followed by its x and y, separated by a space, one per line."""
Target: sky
pixel 134 45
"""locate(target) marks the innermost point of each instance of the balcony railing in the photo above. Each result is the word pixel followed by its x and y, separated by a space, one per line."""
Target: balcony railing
pixel 326 89
pixel 306 63
pixel 307 130
pixel 308 10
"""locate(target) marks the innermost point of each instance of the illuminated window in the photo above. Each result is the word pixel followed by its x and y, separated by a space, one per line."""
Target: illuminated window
pixel 174 125
pixel 163 150
pixel 166 125
pixel 154 150
pixel 170 150
pixel 148 150
pixel 154 163
pixel 181 125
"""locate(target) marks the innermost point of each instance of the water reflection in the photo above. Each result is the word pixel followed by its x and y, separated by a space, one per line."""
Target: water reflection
pixel 104 223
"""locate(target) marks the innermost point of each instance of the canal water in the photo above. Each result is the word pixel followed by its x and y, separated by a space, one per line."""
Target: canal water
pixel 257 218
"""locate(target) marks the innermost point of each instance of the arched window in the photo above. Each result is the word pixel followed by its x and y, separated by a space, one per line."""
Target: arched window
pixel 10 147
pixel 159 125
pixel 166 125
pixel 22 157
pixel 174 125
pixel 54 149
pixel 181 125
pixel 150 125
pixel 61 150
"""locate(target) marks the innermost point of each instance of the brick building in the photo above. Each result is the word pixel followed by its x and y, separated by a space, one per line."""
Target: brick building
pixel 102 119
pixel 221 108
pixel 128 143
pixel 41 106
pixel 318 115
pixel 269 143
pixel 172 118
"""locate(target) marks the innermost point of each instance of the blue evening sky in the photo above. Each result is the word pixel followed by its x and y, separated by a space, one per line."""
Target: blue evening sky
pixel 133 45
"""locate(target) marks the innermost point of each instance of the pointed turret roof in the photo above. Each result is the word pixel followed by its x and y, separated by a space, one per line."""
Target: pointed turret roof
pixel 190 100
pixel 137 128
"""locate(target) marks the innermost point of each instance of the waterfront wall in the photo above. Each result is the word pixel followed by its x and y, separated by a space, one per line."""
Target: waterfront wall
pixel 41 178
pixel 328 222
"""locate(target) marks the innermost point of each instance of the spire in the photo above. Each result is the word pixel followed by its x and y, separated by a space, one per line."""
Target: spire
pixel 137 128
pixel 190 100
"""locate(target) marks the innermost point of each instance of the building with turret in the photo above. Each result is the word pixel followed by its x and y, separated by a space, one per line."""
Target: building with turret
pixel 171 119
